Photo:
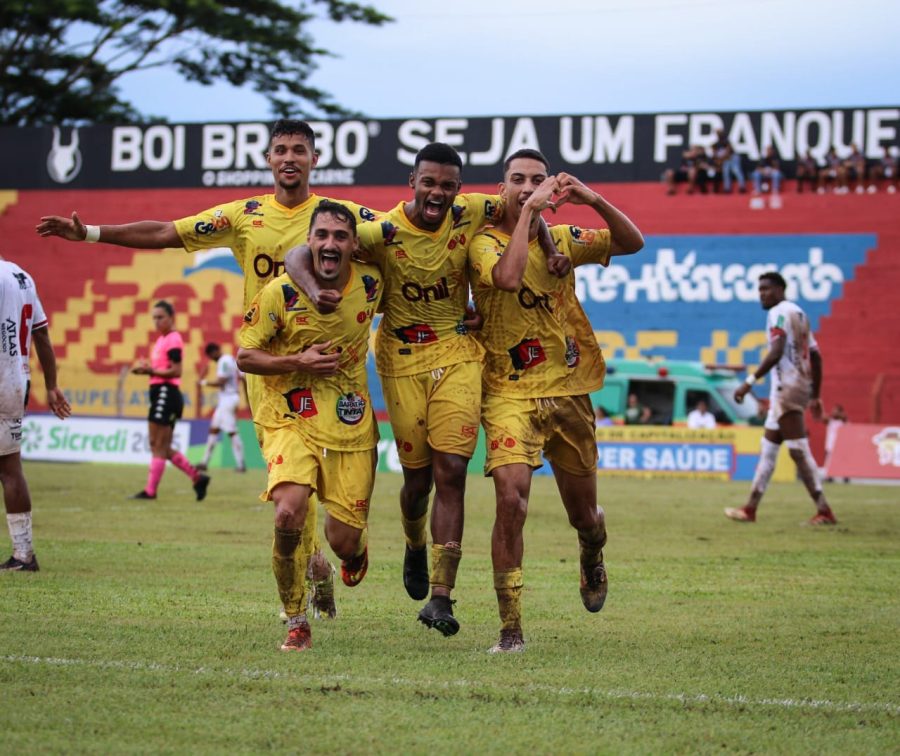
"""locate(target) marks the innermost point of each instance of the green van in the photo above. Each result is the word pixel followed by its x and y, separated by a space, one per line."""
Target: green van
pixel 672 388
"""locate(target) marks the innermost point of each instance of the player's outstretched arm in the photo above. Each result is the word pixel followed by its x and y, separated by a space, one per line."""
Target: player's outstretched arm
pixel 139 235
pixel 299 266
pixel 626 239
pixel 44 350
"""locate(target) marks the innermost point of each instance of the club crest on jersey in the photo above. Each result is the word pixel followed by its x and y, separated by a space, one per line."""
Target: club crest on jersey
pixel 573 353
pixel 527 353
pixel 417 333
pixel 388 232
pixel 351 408
pixel 291 297
pixel 251 207
pixel 22 279
pixel 371 286
pixel 366 214
pixel 300 402
pixel 490 209
pixel 456 214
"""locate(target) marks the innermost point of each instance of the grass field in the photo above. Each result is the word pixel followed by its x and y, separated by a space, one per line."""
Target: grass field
pixel 152 627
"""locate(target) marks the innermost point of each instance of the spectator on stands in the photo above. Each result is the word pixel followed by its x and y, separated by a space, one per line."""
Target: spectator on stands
pixel 767 170
pixel 833 171
pixel 636 413
pixel 728 163
pixel 884 170
pixel 855 169
pixel 602 417
pixel 688 171
pixel 807 171
pixel 700 418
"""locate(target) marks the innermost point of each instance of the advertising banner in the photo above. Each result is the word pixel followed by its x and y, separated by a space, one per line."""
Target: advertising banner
pixel 621 147
pixel 865 451
pixel 91 439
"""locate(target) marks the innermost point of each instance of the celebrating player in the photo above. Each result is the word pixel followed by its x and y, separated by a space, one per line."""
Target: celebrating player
pixel 224 420
pixel 258 230
pixel 795 385
pixel 541 363
pixel 319 433
pixel 26 324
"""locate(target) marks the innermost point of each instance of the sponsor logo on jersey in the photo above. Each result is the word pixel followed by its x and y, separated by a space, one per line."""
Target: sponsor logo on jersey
pixel 529 299
pixel 366 214
pixel 251 207
pixel 496 443
pixel 291 299
pixel 361 505
pixel 400 254
pixel 388 232
pixel 469 431
pixel 417 333
pixel 22 279
pixel 264 266
pixel 573 353
pixel 456 241
pixel 351 408
pixel 258 224
pixel 414 292
pixel 584 236
pixel 8 340
pixel 300 402
pixel 219 223
pixel 370 285
pixel 301 320
pixel 490 209
pixel 527 354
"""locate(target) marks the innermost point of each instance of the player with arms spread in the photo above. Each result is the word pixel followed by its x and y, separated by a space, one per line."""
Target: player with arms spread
pixel 796 380
pixel 258 230
pixel 541 363
pixel 319 432
pixel 429 362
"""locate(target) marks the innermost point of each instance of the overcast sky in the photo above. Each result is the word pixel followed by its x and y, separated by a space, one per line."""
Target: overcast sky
pixel 530 57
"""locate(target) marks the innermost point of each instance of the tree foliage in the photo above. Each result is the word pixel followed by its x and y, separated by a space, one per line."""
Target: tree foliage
pixel 61 59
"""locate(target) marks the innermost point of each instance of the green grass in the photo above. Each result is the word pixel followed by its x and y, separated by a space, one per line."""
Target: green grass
pixel 152 627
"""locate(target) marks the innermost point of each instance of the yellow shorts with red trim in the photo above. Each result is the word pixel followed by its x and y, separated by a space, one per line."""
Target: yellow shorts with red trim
pixel 343 480
pixel 436 410
pixel 518 430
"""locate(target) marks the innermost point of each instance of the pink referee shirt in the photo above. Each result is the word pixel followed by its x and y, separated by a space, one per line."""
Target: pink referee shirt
pixel 159 357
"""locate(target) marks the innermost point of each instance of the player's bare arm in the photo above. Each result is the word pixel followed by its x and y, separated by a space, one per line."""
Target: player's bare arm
pixel 138 235
pixel 56 400
pixel 507 274
pixel 626 239
pixel 299 266
pixel 771 359
pixel 316 360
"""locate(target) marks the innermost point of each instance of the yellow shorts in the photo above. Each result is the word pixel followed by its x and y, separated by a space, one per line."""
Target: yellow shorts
pixel 435 410
pixel 517 430
pixel 343 480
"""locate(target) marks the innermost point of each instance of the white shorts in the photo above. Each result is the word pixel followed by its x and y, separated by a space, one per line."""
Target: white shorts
pixel 225 416
pixel 786 399
pixel 10 435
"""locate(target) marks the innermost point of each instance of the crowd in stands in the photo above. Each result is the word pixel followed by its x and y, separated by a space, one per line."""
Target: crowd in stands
pixel 717 169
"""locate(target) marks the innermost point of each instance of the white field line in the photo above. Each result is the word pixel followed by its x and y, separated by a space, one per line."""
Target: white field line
pixel 633 695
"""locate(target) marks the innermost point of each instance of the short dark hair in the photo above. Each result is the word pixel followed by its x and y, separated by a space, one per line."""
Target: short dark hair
pixel 526 152
pixel 211 348
pixel 773 276
pixel 292 126
pixel 342 212
pixel 163 305
pixel 438 152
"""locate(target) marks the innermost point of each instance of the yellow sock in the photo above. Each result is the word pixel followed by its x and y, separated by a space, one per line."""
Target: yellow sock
pixel 289 566
pixel 416 531
pixel 508 585
pixel 444 564
pixel 591 541
pixel 363 542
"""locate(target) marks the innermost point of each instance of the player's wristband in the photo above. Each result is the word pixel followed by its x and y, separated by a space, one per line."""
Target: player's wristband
pixel 92 234
pixel 750 379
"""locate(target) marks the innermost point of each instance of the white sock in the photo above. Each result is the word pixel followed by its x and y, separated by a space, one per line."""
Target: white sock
pixel 237 446
pixel 210 445
pixel 20 533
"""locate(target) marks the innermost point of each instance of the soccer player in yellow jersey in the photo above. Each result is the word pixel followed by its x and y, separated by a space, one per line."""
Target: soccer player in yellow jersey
pixel 259 230
pixel 541 363
pixel 429 362
pixel 319 432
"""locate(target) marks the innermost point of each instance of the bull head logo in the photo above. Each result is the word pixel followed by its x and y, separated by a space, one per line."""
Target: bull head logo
pixel 64 161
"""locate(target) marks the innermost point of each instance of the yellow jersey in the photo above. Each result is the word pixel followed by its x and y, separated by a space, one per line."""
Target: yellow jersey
pixel 538 340
pixel 333 411
pixel 259 231
pixel 426 289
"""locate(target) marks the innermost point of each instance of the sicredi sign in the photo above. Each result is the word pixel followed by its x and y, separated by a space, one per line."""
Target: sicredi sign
pixel 47 438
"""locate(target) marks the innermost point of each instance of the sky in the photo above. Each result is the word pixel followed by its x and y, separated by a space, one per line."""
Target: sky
pixel 545 57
